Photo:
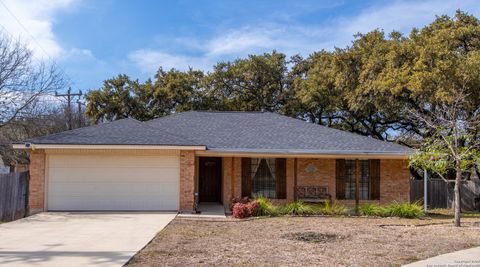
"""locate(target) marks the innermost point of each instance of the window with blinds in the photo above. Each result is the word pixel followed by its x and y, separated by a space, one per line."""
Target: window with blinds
pixel 369 179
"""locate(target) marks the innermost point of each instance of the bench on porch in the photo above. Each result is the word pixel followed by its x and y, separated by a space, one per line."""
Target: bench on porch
pixel 315 194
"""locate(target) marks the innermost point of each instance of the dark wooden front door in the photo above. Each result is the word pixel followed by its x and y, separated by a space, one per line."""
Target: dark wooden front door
pixel 210 179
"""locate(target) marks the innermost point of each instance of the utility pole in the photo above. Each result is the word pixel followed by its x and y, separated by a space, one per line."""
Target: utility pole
pixel 79 112
pixel 69 96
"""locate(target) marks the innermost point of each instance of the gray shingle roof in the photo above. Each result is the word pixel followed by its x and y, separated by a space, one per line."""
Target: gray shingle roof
pixel 262 132
pixel 268 132
pixel 119 132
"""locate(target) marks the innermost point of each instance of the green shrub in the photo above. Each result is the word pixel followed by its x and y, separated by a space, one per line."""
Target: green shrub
pixel 405 210
pixel 373 210
pixel 265 207
pixel 298 208
pixel 332 208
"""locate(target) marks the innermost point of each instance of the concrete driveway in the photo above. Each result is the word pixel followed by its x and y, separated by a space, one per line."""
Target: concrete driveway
pixel 78 239
pixel 466 257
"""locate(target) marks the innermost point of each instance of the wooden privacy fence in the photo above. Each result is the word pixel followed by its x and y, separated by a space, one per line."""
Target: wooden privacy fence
pixel 13 195
pixel 440 194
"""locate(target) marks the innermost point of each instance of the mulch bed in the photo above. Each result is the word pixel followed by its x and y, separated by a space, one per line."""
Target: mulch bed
pixel 306 241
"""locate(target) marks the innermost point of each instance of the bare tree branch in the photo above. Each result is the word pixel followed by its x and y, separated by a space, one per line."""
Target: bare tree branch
pixel 23 79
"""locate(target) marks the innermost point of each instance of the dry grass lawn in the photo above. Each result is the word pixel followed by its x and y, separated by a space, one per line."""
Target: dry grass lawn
pixel 307 241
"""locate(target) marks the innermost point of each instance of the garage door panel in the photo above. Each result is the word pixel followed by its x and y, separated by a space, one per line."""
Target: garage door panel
pixel 107 189
pixel 113 205
pixel 103 182
pixel 86 175
pixel 101 161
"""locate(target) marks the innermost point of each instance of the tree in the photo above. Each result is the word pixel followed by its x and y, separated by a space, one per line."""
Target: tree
pixel 121 97
pixel 340 88
pixel 369 87
pixel 174 91
pixel 312 82
pixel 44 119
pixel 450 146
pixel 432 66
pixel 259 82
pixel 256 83
pixel 117 99
pixel 23 80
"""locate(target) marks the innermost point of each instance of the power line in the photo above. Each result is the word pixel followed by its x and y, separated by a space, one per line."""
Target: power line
pixel 8 32
pixel 35 40
pixel 24 28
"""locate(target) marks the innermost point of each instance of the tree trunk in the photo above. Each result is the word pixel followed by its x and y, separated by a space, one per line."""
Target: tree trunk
pixel 456 190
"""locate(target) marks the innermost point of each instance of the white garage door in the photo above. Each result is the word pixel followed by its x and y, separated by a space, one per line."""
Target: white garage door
pixel 112 182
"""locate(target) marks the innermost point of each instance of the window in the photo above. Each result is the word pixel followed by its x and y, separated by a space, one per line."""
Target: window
pixel 364 187
pixel 369 179
pixel 264 177
pixel 349 179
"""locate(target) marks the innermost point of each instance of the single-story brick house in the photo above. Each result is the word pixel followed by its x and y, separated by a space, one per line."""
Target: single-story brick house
pixel 174 161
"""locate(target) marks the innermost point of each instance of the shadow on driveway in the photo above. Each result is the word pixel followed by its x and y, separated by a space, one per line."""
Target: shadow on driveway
pixel 13 258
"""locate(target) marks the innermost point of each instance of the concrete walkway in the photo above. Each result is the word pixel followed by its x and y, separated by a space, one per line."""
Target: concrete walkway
pixel 78 239
pixel 464 258
pixel 208 210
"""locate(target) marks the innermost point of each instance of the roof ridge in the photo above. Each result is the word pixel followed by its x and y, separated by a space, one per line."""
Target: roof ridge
pixel 204 111
pixel 228 111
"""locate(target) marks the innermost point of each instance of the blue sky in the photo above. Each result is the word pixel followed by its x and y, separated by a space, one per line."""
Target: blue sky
pixel 95 40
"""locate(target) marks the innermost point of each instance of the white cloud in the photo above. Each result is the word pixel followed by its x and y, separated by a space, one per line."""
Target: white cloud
pixel 78 53
pixel 233 44
pixel 244 40
pixel 150 60
pixel 292 37
pixel 38 17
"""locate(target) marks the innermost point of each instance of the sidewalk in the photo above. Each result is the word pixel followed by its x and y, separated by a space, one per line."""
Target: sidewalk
pixel 465 258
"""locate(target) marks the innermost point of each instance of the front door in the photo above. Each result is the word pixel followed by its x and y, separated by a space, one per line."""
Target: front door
pixel 210 179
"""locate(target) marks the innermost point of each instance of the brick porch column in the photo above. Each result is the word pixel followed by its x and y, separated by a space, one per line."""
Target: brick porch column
pixel 187 180
pixel 36 186
pixel 227 165
pixel 237 177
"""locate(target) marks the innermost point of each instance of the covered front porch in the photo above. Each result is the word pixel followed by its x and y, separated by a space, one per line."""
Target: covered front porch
pixel 281 178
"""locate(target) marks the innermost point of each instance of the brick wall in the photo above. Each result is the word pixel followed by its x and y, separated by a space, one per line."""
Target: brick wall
pixel 232 179
pixel 317 172
pixel 36 189
pixel 394 180
pixel 187 180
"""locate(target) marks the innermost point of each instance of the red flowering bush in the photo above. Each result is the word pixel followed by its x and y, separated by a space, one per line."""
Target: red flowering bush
pixel 241 210
pixel 235 200
pixel 252 207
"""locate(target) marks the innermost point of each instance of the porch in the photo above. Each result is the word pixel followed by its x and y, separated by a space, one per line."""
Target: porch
pixel 283 179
